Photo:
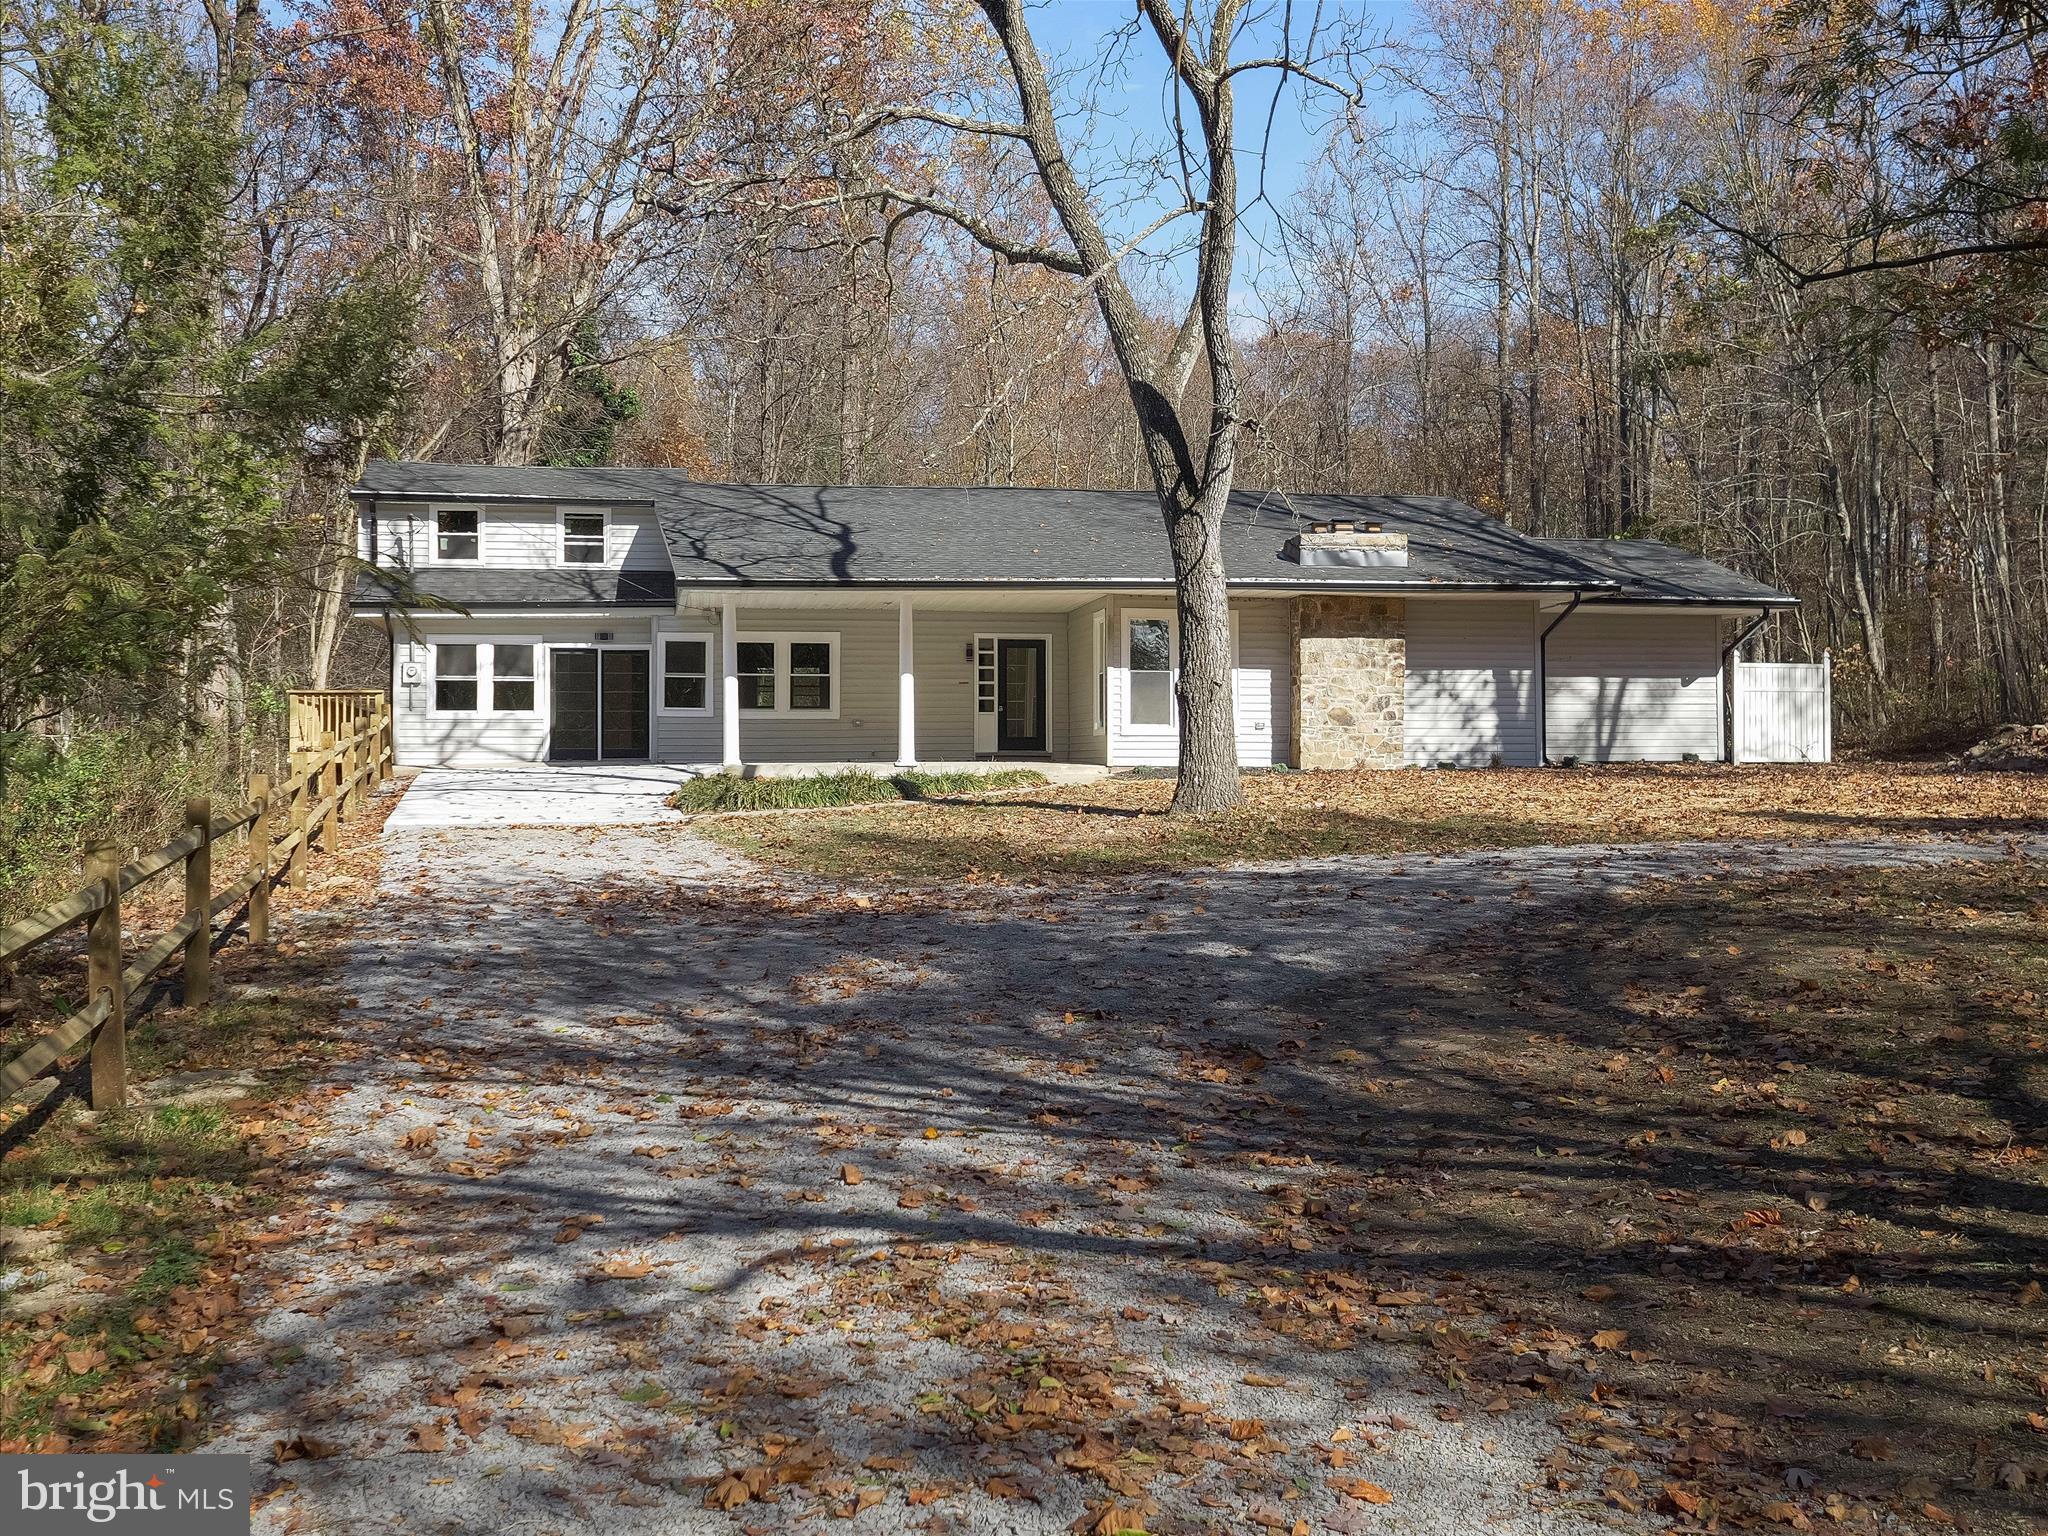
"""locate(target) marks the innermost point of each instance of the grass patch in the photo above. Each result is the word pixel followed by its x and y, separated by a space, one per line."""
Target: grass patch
pixel 1121 826
pixel 731 792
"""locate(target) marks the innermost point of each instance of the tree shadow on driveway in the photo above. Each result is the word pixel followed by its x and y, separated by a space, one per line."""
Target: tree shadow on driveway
pixel 1247 1187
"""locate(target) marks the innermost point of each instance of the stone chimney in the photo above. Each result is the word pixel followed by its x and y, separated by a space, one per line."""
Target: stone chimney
pixel 1348 541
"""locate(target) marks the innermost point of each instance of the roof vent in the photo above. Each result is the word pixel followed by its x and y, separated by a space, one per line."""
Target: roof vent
pixel 1347 541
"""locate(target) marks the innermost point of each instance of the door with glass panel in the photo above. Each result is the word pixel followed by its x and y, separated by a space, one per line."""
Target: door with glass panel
pixel 1009 694
pixel 599 698
pixel 1020 695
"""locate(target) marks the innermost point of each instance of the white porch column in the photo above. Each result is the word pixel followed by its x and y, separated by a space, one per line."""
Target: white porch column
pixel 906 689
pixel 729 681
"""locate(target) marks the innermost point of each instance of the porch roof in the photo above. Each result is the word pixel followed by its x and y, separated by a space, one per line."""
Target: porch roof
pixel 557 586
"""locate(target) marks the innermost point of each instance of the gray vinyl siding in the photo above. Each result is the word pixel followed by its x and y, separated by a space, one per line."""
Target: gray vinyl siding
pixel 515 537
pixel 864 729
pixel 1471 693
pixel 1628 687
pixel 426 738
pixel 689 738
pixel 941 645
pixel 867 689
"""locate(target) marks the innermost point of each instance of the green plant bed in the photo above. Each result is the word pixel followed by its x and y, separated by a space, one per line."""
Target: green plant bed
pixel 730 792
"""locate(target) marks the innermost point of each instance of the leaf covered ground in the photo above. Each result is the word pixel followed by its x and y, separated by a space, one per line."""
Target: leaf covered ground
pixel 1119 825
pixel 121 1233
pixel 1527 1192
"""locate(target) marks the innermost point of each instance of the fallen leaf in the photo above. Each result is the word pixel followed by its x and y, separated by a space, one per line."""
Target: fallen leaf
pixel 1365 1492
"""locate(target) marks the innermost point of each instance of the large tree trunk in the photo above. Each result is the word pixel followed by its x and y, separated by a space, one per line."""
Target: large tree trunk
pixel 1208 711
pixel 520 416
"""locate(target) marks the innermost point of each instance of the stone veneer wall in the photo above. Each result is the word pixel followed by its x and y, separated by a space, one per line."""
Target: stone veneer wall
pixel 1350 681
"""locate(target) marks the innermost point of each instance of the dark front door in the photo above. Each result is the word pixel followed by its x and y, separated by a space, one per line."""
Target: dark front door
pixel 600 705
pixel 1020 695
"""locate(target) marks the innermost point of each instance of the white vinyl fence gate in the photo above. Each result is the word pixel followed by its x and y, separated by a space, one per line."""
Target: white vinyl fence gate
pixel 1785 711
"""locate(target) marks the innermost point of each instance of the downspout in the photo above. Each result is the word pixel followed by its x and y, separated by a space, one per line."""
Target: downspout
pixel 1731 704
pixel 1543 680
pixel 1755 624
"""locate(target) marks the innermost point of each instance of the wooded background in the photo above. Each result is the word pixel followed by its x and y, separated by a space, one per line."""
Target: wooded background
pixel 1761 281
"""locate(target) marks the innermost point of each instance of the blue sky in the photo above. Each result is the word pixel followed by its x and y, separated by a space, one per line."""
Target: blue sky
pixel 1076 33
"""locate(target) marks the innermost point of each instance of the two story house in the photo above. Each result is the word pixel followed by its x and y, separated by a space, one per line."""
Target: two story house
pixel 592 615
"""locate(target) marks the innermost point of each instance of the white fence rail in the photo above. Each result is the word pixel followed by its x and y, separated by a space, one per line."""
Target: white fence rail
pixel 1785 711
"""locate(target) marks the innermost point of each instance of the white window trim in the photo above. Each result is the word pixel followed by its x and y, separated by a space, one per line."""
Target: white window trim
pixel 1125 724
pixel 782 640
pixel 562 514
pixel 434 512
pixel 709 640
pixel 1098 678
pixel 486 680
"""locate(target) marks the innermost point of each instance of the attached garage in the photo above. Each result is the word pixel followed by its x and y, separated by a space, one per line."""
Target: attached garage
pixel 1471 684
pixel 1634 686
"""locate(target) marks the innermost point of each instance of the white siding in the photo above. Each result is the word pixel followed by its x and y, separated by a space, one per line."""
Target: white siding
pixel 1265 686
pixel 426 738
pixel 1634 687
pixel 1086 742
pixel 1265 681
pixel 1471 693
pixel 515 537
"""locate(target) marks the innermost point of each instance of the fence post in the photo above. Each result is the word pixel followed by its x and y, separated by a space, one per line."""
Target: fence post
pixel 259 860
pixel 387 742
pixel 198 896
pixel 1827 706
pixel 103 975
pixel 302 797
pixel 336 783
pixel 1735 711
pixel 348 806
pixel 322 821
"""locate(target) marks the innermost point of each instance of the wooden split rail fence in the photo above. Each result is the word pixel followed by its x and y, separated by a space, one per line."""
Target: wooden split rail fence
pixel 327 785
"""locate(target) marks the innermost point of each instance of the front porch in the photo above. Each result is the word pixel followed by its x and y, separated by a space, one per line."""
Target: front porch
pixel 1071 681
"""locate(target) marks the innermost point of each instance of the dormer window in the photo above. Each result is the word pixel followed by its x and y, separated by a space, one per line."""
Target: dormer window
pixel 458 534
pixel 583 538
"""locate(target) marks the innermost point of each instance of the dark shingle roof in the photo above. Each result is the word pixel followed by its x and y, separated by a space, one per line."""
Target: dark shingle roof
pixel 783 535
pixel 1650 571
pixel 402 479
pixel 765 535
pixel 756 535
pixel 543 587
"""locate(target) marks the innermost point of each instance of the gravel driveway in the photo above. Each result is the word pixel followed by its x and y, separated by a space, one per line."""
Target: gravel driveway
pixel 676 1198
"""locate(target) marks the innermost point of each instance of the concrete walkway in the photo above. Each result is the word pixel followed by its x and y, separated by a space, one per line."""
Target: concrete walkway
pixel 612 794
pixel 615 795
